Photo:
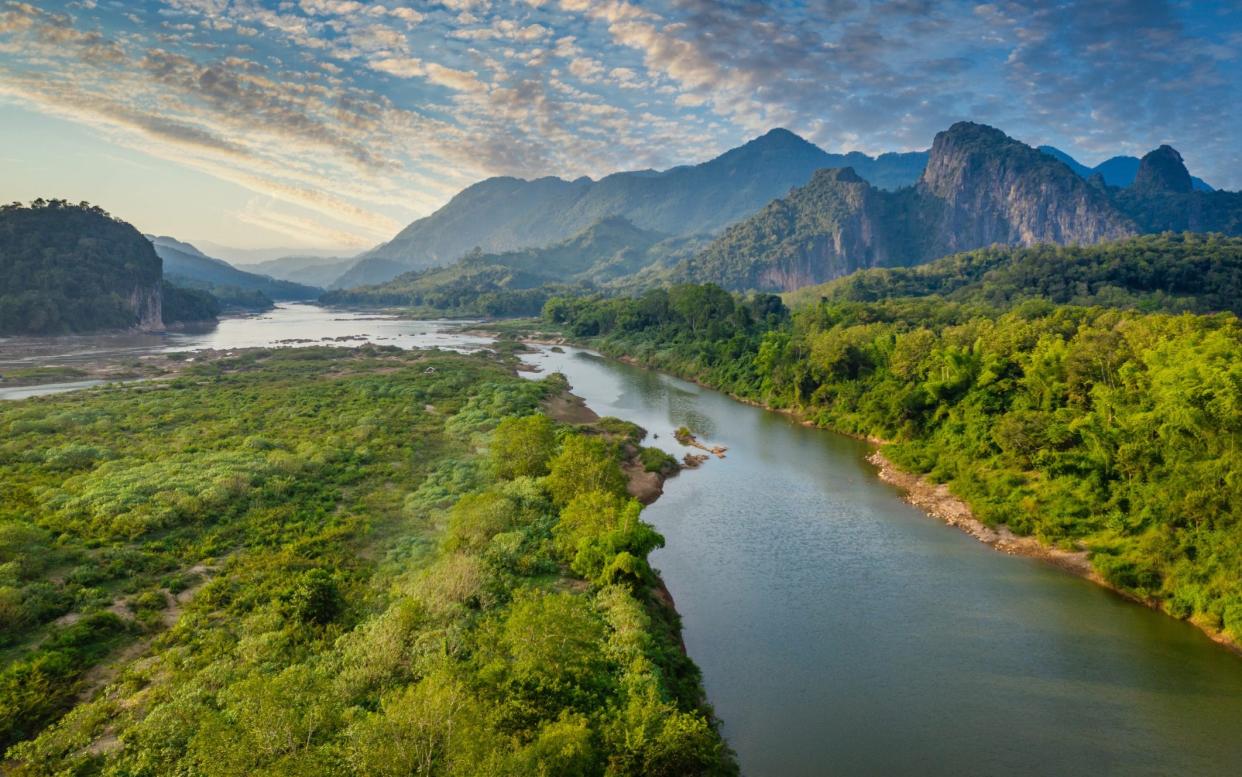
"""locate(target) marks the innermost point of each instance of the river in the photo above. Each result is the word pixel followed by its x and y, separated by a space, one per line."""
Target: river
pixel 841 631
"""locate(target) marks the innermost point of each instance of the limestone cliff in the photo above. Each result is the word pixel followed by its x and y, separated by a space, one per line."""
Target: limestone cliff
pixel 980 188
pixel 997 190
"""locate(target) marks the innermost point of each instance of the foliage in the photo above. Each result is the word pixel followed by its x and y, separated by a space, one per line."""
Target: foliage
pixel 522 446
pixel 1114 431
pixel 188 304
pixel 1198 273
pixel 362 585
pixel 71 268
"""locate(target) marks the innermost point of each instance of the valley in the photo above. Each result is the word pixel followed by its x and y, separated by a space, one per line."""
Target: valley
pixel 768 463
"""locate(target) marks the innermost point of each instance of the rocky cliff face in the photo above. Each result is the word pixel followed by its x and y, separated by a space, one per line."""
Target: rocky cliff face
pixel 147 303
pixel 996 190
pixel 979 188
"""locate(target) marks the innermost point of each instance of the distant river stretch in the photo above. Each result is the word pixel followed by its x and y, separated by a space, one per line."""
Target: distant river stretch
pixel 843 632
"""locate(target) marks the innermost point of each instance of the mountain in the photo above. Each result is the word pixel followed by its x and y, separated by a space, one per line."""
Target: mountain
pixel 75 269
pixel 505 214
pixel 321 271
pixel 980 187
pixel 241 257
pixel 1163 198
pixel 1170 271
pixel 1118 171
pixel 366 272
pixel 517 282
pixel 187 266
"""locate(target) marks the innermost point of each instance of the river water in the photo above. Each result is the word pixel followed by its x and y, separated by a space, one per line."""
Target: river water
pixel 841 631
pixel 288 325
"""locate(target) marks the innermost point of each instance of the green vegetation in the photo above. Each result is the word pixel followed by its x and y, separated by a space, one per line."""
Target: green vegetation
pixel 72 268
pixel 1170 272
pixel 1115 431
pixel 188 304
pixel 518 283
pixel 322 561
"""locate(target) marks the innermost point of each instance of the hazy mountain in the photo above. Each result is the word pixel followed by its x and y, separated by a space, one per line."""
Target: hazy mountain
pixel 480 283
pixel 366 272
pixel 239 257
pixel 321 271
pixel 505 214
pixel 979 188
pixel 1118 171
pixel 187 266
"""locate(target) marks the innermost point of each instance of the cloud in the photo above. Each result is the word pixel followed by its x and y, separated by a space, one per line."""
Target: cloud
pixel 368 114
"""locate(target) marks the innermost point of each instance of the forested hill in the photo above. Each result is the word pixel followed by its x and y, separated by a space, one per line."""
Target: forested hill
pixel 504 214
pixel 73 268
pixel 519 282
pixel 1198 273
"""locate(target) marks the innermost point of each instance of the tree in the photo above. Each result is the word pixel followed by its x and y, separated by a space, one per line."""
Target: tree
pixel 522 446
pixel 584 464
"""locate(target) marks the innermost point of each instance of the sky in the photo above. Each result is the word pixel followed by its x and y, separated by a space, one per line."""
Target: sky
pixel 331 124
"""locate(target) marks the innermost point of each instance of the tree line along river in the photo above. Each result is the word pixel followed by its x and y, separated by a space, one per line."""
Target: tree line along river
pixel 839 629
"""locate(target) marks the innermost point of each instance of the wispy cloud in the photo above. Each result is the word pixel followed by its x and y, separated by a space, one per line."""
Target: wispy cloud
pixel 347 119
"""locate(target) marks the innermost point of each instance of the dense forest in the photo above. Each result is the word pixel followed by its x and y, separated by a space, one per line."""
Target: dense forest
pixel 1169 272
pixel 67 269
pixel 72 268
pixel 1111 430
pixel 325 561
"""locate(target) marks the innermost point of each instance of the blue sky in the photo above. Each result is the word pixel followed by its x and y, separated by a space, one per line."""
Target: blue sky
pixel 333 123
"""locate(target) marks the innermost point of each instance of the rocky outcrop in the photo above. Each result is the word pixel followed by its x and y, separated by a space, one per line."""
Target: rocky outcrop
pixel 147 303
pixel 979 188
pixel 996 190
pixel 834 225
pixel 1162 170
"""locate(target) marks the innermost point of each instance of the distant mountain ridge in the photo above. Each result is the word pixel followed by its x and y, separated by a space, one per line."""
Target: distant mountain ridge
pixel 1118 171
pixel 980 187
pixel 505 214
pixel 321 271
pixel 186 265
pixel 516 282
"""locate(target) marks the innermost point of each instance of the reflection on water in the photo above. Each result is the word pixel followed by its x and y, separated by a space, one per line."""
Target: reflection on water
pixel 289 324
pixel 841 631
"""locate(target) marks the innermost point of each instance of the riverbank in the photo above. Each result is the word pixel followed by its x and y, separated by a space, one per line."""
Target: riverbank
pixel 938 501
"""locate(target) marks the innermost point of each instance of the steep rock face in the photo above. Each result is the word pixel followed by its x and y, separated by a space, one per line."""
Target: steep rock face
pixel 72 269
pixel 834 225
pixel 1164 198
pixel 979 188
pixel 147 304
pixel 1162 170
pixel 997 190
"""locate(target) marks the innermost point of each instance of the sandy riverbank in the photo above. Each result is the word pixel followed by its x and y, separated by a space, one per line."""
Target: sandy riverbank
pixel 938 501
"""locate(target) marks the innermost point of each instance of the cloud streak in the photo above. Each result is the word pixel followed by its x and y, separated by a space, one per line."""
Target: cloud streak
pixel 358 117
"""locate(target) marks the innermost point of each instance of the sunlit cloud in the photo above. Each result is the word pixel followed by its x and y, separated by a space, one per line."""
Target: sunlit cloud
pixel 366 115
